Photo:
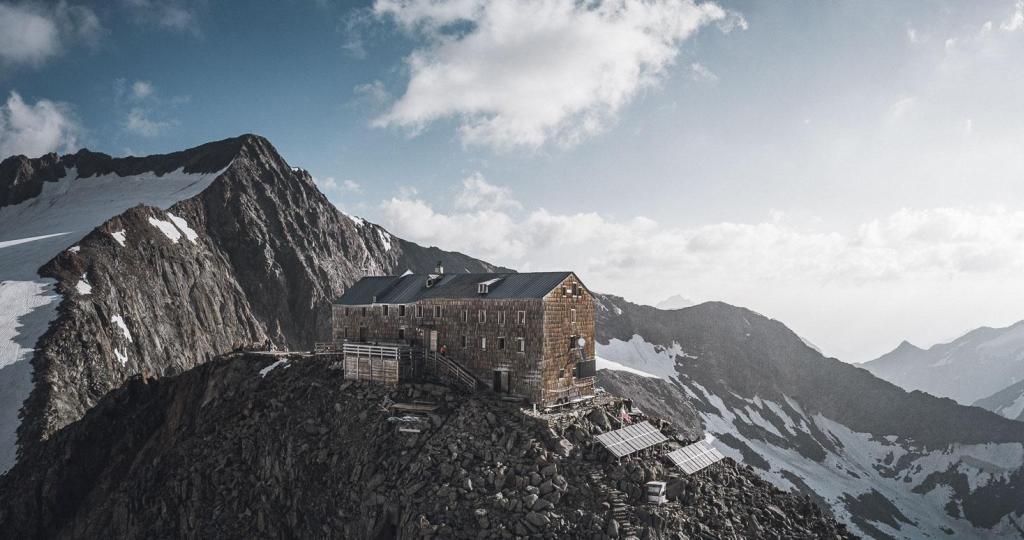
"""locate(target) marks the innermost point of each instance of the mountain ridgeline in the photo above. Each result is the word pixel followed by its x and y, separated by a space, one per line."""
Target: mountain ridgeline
pixel 891 463
pixel 257 254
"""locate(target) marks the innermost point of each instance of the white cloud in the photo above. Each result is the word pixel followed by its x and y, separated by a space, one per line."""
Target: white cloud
pixel 169 14
pixel 523 73
pixel 1016 21
pixel 139 122
pixel 478 194
pixel 329 183
pixel 30 35
pixel 905 246
pixel 34 130
pixel 142 89
pixel 700 72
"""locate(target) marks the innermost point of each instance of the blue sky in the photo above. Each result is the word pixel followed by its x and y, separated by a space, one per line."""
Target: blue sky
pixel 852 168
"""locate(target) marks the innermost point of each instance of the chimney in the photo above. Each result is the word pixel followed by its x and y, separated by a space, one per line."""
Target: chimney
pixel 439 269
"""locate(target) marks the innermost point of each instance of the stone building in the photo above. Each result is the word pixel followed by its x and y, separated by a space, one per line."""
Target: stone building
pixel 528 334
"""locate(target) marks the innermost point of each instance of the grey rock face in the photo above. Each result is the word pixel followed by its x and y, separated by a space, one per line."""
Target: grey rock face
pixel 269 253
pixel 221 451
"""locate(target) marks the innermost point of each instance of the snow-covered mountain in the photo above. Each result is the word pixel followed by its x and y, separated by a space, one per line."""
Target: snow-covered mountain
pixel 1008 402
pixel 676 301
pixel 891 464
pixel 116 266
pixel 971 367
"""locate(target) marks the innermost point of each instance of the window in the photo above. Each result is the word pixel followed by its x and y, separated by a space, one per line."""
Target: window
pixel 437 312
pixel 572 342
pixel 501 343
pixel 481 317
pixel 481 288
pixel 521 317
pixel 364 311
pixel 483 344
pixel 572 314
pixel 419 311
pixel 501 317
pixel 465 341
pixel 401 310
pixel 520 345
pixel 465 315
pixel 384 310
pixel 561 373
pixel 401 333
pixel 348 311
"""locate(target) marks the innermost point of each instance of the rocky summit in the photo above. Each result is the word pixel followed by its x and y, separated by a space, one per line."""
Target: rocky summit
pixel 282 446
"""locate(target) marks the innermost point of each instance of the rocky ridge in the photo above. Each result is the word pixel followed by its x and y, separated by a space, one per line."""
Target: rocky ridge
pixel 270 446
pixel 258 254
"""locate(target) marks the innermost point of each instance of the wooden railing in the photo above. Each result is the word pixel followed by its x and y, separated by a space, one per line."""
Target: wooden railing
pixel 332 347
pixel 448 370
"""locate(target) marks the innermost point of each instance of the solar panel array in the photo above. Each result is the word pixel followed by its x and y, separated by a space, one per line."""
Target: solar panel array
pixel 694 457
pixel 629 439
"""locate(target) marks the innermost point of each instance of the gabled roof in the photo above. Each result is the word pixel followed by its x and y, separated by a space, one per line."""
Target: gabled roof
pixel 412 287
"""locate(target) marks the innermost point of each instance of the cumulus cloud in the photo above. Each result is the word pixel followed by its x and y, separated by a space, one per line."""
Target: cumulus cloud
pixel 31 35
pixel 35 129
pixel 1016 20
pixel 904 246
pixel 523 73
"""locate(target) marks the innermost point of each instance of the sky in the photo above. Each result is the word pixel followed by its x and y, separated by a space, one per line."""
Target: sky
pixel 851 168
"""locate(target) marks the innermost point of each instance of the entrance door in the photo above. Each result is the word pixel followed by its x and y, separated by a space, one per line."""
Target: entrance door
pixel 501 381
pixel 362 334
pixel 433 341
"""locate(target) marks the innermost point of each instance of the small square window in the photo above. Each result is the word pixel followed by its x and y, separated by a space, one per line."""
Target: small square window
pixel 364 311
pixel 419 311
pixel 385 309
pixel 401 333
pixel 561 373
pixel 520 345
pixel 401 310
pixel 465 341
pixel 482 316
pixel 465 315
pixel 501 317
pixel 501 343
pixel 437 312
pixel 483 343
pixel 348 311
pixel 521 317
pixel 572 314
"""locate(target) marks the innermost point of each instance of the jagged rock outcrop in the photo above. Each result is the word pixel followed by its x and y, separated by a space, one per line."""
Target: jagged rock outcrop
pixel 890 463
pixel 258 446
pixel 258 254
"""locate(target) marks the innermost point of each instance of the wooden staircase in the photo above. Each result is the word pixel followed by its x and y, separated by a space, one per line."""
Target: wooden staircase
pixel 449 371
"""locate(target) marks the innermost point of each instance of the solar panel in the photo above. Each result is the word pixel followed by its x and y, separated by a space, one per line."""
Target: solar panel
pixel 629 439
pixel 695 457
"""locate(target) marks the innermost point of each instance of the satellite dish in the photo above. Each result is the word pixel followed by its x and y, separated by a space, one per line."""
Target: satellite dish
pixel 582 342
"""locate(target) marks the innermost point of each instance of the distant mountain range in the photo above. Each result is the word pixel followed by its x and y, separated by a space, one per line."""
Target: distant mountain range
pixel 890 463
pixel 970 368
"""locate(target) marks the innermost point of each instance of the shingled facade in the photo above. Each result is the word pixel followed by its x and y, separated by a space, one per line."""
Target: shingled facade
pixel 529 334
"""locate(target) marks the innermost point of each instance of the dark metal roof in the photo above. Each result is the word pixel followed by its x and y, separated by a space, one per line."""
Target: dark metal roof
pixel 412 287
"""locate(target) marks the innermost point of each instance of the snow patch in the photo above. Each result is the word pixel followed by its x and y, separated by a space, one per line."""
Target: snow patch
pixel 83 286
pixel 119 321
pixel 604 363
pixel 385 239
pixel 75 249
pixel 166 227
pixel 639 354
pixel 33 232
pixel 121 357
pixel 182 226
pixel 271 367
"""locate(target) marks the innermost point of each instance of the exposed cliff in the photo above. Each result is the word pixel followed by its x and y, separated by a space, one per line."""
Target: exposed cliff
pixel 256 253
